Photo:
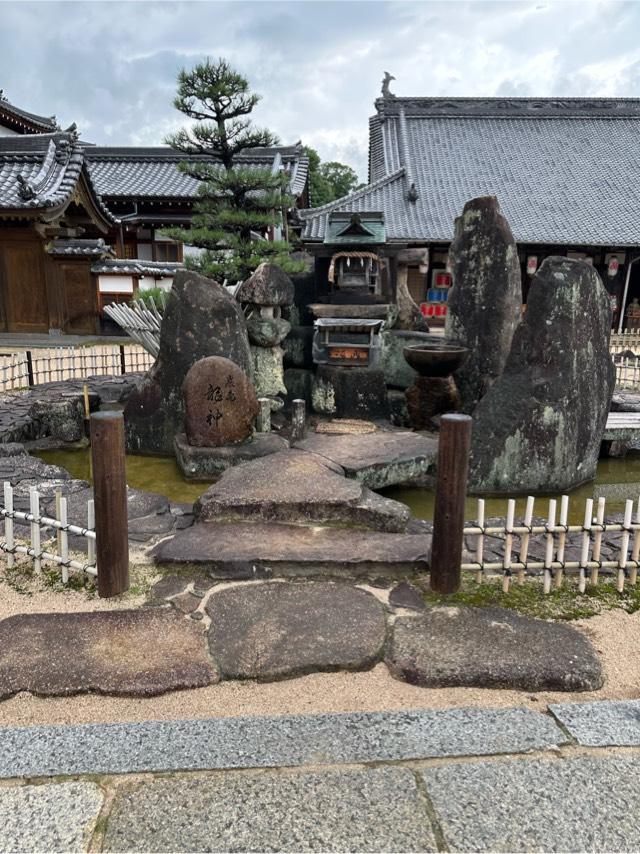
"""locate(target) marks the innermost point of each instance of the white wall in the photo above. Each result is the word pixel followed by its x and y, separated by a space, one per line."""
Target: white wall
pixel 115 284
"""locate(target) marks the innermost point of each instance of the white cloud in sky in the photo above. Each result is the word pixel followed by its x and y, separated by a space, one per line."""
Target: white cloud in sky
pixel 111 66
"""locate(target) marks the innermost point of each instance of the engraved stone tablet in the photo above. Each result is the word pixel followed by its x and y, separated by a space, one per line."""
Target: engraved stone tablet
pixel 220 403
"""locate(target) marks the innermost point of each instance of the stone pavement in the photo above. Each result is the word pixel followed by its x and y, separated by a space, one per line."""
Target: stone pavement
pixel 448 780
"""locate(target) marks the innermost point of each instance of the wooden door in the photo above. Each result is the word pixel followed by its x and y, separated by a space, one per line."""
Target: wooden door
pixel 79 298
pixel 23 287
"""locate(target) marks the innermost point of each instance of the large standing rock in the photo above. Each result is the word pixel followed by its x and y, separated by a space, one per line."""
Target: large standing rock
pixel 540 425
pixel 484 302
pixel 201 319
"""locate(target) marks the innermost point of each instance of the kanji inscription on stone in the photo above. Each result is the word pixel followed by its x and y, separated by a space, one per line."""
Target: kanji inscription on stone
pixel 220 403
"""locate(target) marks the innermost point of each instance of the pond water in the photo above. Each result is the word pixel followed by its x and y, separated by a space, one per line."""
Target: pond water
pixel 617 479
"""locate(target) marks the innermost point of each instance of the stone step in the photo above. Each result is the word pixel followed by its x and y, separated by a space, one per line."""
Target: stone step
pixel 246 550
pixel 380 459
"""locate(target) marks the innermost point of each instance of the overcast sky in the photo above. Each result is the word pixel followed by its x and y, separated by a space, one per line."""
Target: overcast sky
pixel 111 66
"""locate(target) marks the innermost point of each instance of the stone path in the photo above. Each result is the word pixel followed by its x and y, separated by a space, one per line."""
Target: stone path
pixel 281 629
pixel 449 780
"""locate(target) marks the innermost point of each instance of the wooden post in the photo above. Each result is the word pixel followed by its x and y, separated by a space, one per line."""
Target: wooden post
pixel 298 420
pixel 451 490
pixel 30 368
pixel 110 494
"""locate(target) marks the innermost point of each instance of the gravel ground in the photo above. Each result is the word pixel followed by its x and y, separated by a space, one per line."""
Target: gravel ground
pixel 615 634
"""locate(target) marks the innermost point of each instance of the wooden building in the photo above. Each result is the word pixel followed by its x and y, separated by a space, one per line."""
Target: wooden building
pixel 566 173
pixel 80 225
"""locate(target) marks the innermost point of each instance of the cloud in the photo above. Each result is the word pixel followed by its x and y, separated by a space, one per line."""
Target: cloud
pixel 111 66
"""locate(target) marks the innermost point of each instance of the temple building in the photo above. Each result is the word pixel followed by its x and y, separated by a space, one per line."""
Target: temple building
pixel 80 225
pixel 566 174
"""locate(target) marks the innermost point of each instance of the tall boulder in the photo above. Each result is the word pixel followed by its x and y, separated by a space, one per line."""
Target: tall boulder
pixel 201 319
pixel 484 302
pixel 540 425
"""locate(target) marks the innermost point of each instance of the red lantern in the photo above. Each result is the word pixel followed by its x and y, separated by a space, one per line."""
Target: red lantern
pixel 613 267
pixel 532 264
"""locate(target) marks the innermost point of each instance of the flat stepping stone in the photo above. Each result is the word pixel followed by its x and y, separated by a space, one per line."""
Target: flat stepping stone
pixel 234 550
pixel 139 653
pixel 52 817
pixel 278 629
pixel 377 809
pixel 405 595
pixel 491 648
pixel 295 486
pixel 379 459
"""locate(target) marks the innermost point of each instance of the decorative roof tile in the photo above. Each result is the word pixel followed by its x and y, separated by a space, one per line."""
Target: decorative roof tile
pixel 136 267
pixel 80 247
pixel 22 121
pixel 564 171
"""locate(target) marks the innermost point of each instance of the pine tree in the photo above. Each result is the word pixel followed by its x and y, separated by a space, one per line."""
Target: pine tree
pixel 236 203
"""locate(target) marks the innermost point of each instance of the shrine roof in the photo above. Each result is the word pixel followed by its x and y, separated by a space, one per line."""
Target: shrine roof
pixel 43 173
pixel 22 122
pixel 144 173
pixel 565 171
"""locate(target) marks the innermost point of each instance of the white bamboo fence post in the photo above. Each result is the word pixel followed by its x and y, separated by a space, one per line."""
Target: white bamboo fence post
pixel 524 541
pixel 480 542
pixel 624 544
pixel 91 524
pixel 548 557
pixel 58 532
pixel 8 523
pixel 586 540
pixel 635 550
pixel 562 539
pixel 64 540
pixel 508 545
pixel 597 540
pixel 34 509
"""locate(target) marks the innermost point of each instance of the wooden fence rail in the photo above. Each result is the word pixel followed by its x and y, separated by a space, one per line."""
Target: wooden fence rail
pixel 36 521
pixel 28 368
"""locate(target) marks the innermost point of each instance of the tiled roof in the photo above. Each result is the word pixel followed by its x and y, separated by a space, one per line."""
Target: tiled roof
pixel 80 247
pixel 564 171
pixel 42 171
pixel 137 267
pixel 23 121
pixel 154 172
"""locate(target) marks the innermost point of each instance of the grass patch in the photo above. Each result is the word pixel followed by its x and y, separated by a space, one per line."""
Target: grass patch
pixel 567 603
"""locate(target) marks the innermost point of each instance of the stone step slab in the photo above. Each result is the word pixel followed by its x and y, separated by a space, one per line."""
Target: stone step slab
pixel 607 723
pixel 242 550
pixel 139 653
pixel 379 459
pixel 296 486
pixel 372 810
pixel 491 648
pixel 281 629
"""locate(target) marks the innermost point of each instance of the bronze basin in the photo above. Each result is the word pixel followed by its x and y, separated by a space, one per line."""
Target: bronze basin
pixel 438 359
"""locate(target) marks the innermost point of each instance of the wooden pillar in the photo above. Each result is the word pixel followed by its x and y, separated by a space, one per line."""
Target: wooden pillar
pixel 298 420
pixel 451 489
pixel 110 494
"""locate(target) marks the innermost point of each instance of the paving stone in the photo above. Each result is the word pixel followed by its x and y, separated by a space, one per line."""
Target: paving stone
pixel 145 528
pixel 379 459
pixel 238 550
pixel 295 486
pixel 169 585
pixel 142 653
pixel 53 817
pixel 405 595
pixel 280 629
pixel 491 648
pixel 373 810
pixel 607 723
pixel 577 804
pixel 186 603
pixel 263 742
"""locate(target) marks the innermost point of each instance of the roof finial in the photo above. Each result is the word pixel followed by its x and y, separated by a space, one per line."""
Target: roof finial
pixel 385 85
pixel 412 194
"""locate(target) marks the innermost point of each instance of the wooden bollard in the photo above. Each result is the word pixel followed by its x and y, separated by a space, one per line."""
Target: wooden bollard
pixel 110 494
pixel 451 490
pixel 263 421
pixel 298 420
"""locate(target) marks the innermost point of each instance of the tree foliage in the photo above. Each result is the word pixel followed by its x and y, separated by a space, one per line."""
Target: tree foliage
pixel 237 204
pixel 329 181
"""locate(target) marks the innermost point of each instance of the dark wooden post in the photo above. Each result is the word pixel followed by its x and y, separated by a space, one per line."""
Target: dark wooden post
pixel 110 494
pixel 298 420
pixel 30 368
pixel 451 490
pixel 123 364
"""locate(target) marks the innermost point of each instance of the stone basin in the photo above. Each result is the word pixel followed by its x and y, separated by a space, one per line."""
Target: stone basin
pixel 437 358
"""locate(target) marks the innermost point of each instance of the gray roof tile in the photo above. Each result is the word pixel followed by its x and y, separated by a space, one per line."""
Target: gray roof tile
pixel 564 172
